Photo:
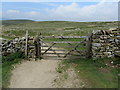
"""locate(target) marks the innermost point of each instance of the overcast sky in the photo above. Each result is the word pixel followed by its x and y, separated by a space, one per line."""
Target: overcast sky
pixel 61 11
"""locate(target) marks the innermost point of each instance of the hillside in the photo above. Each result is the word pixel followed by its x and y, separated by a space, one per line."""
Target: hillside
pixel 53 28
pixel 10 22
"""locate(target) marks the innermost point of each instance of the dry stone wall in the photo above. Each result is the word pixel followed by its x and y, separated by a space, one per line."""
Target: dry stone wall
pixel 13 46
pixel 105 43
pixel 18 44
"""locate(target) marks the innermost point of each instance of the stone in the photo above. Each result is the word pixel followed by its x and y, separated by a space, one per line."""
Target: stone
pixel 96 32
pixel 107 53
pixel 117 53
pixel 94 48
pixel 23 38
pixel 96 44
pixel 118 37
pixel 117 41
pixel 112 29
pixel 16 39
pixel 101 41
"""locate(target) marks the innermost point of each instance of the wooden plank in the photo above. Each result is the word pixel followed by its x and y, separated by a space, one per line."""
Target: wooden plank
pixel 57 46
pixel 65 53
pixel 63 37
pixel 54 49
pixel 61 57
pixel 63 42
pixel 53 53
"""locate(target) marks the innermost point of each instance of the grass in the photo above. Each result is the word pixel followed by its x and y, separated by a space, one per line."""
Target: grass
pixel 0 74
pixel 7 66
pixel 57 28
pixel 95 73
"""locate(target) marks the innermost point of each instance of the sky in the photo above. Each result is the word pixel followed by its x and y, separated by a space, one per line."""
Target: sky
pixel 61 11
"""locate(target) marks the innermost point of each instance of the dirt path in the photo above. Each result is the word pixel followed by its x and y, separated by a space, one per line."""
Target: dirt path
pixel 34 74
pixel 42 74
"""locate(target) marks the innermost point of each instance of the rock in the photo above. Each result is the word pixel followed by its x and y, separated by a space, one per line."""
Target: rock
pixel 97 32
pixel 109 56
pixel 112 29
pixel 16 39
pixel 23 38
pixel 107 53
pixel 96 44
pixel 117 53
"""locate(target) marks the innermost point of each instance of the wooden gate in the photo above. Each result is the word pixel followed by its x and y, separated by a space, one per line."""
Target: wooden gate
pixel 64 46
pixel 58 46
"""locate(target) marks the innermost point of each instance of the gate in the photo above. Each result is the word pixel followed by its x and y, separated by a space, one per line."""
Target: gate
pixel 61 46
pixel 64 46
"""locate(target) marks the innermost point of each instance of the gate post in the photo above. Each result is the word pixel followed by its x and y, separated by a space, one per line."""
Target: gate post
pixel 88 45
pixel 26 46
pixel 39 45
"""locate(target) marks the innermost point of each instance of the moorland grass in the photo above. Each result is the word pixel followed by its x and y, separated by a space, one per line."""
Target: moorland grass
pixel 96 73
pixel 57 28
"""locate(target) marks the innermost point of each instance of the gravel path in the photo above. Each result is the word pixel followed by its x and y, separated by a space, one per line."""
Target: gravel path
pixel 34 74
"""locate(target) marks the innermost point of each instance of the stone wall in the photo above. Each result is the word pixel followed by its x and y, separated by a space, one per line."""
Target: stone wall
pixel 105 43
pixel 18 44
pixel 13 46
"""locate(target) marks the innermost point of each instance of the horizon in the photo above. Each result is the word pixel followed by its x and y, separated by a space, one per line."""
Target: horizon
pixel 51 21
pixel 61 11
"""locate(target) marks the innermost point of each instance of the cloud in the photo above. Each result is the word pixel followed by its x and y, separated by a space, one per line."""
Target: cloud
pixel 103 11
pixel 33 13
pixel 12 11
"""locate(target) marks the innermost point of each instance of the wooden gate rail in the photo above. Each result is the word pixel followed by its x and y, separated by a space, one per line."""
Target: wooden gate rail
pixel 63 42
pixel 57 46
pixel 63 37
pixel 55 49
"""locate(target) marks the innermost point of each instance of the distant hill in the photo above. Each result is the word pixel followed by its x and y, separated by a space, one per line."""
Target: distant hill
pixel 9 22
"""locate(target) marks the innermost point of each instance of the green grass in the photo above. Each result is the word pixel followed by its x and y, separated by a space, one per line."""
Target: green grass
pixel 95 72
pixel 7 66
pixel 0 74
pixel 57 28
